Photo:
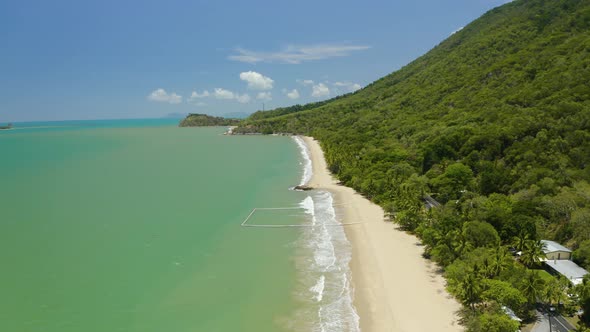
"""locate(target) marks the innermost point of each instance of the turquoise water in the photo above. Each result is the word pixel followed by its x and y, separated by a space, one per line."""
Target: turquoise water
pixel 133 225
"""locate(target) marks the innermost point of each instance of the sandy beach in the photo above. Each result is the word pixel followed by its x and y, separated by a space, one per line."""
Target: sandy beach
pixel 395 288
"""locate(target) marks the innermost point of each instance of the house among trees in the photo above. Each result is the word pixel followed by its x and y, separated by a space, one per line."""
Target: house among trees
pixel 554 250
pixel 558 260
pixel 568 269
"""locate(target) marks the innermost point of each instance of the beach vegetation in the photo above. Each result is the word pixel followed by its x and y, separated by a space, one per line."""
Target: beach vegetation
pixel 494 124
pixel 492 322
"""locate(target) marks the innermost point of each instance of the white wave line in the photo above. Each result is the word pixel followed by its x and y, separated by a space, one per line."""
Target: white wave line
pixel 244 223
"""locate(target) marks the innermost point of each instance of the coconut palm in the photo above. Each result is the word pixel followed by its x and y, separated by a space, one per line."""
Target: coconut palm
pixel 519 240
pixel 459 243
pixel 500 261
pixel 471 288
pixel 532 253
pixel 553 292
pixel 532 287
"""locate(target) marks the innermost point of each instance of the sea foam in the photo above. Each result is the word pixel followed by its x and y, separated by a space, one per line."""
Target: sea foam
pixel 318 288
pixel 323 263
pixel 307 167
pixel 332 254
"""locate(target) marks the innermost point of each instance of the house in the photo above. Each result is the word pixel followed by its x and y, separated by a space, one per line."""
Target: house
pixel 558 260
pixel 555 251
pixel 568 269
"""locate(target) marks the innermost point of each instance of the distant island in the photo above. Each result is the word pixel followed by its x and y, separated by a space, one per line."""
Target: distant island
pixel 8 126
pixel 204 120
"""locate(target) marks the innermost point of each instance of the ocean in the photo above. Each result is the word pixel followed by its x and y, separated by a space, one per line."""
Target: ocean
pixel 135 225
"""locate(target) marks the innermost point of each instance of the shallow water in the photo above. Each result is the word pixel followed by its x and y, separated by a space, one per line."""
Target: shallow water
pixel 134 226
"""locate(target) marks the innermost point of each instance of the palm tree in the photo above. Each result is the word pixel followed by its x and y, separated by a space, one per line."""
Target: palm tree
pixel 553 292
pixel 487 268
pixel 458 242
pixel 500 261
pixel 583 298
pixel 532 286
pixel 519 240
pixel 471 288
pixel 532 253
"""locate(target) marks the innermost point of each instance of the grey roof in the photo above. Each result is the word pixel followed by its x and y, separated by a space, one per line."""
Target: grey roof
pixel 552 246
pixel 568 269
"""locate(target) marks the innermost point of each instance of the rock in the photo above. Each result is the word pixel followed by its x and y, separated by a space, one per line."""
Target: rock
pixel 304 188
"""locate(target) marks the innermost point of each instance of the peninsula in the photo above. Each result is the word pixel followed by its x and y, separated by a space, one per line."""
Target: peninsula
pixel 204 120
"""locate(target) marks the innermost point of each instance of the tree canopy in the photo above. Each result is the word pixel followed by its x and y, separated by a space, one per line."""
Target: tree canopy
pixel 204 120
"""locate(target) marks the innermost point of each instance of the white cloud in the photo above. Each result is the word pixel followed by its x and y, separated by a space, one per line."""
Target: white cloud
pixel 320 90
pixel 295 54
pixel 220 93
pixel 161 95
pixel 196 95
pixel 294 94
pixel 256 80
pixel 243 99
pixel 305 82
pixel 266 96
pixel 348 86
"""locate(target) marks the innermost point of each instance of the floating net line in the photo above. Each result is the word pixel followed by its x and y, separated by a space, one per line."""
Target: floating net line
pixel 246 224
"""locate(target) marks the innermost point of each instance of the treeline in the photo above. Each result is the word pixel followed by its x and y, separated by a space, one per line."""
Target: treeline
pixel 259 115
pixel 204 120
pixel 494 123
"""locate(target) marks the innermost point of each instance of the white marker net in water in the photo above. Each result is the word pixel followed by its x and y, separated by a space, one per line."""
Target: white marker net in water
pixel 254 210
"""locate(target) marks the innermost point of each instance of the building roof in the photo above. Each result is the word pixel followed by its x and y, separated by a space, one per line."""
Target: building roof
pixel 511 313
pixel 552 246
pixel 568 269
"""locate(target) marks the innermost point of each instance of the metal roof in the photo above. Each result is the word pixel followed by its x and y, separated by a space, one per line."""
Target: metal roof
pixel 568 269
pixel 511 313
pixel 552 246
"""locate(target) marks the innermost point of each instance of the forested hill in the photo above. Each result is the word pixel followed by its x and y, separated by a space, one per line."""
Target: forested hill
pixel 494 122
pixel 507 97
pixel 204 120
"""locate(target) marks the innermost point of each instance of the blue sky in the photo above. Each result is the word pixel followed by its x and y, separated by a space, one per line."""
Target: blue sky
pixel 108 59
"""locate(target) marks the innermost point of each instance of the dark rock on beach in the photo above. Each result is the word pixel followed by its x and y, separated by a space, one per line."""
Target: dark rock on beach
pixel 304 188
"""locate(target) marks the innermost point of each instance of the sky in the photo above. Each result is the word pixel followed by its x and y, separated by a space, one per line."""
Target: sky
pixel 79 60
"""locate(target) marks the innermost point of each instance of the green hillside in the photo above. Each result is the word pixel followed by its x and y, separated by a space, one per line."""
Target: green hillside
pixel 204 120
pixel 494 123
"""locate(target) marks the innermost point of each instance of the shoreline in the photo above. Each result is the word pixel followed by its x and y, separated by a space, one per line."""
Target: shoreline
pixel 395 288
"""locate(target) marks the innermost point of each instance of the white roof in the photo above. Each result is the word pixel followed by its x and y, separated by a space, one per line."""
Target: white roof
pixel 511 314
pixel 568 269
pixel 552 246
